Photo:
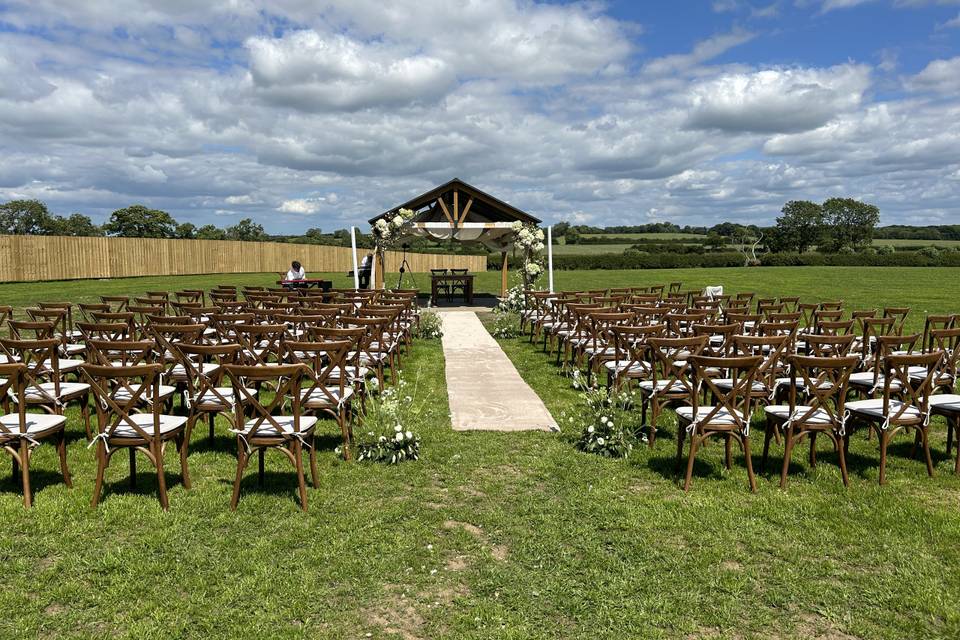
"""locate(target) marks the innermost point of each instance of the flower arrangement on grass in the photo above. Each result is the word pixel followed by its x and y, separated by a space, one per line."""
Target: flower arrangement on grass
pixel 528 238
pixel 506 323
pixel 389 418
pixel 429 327
pixel 602 417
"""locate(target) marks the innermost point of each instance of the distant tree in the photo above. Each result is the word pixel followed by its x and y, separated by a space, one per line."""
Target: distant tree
pixel 342 237
pixel 801 227
pixel 76 224
pixel 715 240
pixel 314 233
pixel 726 229
pixel 850 223
pixel 560 229
pixel 138 221
pixel 210 232
pixel 25 217
pixel 572 235
pixel 186 231
pixel 247 230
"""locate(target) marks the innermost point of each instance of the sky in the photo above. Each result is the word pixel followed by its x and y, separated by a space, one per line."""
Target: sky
pixel 313 113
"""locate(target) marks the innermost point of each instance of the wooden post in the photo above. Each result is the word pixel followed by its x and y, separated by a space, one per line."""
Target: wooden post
pixel 503 274
pixel 381 267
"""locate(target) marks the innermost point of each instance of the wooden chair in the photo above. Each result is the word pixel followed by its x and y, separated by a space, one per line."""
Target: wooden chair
pixel 119 392
pixel 729 417
pixel 326 392
pixel 269 428
pixel 670 383
pixel 22 432
pixel 822 383
pixel 631 349
pixel 204 391
pixel 903 405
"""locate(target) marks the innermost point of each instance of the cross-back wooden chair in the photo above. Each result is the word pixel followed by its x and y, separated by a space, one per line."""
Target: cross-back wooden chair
pixel 117 303
pixel 904 405
pixel 670 382
pixel 935 323
pixel 45 386
pixel 899 315
pixel 271 427
pixel 204 391
pixel 719 338
pixel 817 393
pixel 262 343
pixel 599 347
pixel 86 308
pixel 123 424
pixel 631 358
pixel 326 391
pixel 6 313
pixel 225 325
pixel 748 323
pixel 729 415
pixel 870 380
pixel 772 350
pixel 22 432
pixel 131 353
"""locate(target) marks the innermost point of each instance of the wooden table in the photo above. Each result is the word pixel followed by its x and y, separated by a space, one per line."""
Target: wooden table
pixel 465 280
pixel 306 283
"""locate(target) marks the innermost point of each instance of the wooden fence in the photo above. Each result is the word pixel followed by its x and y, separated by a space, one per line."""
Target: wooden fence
pixel 33 258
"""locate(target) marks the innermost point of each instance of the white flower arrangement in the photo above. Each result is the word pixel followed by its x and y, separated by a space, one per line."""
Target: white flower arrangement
pixel 391 408
pixel 529 240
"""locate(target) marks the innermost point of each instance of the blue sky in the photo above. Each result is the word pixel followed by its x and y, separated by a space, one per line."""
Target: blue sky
pixel 307 113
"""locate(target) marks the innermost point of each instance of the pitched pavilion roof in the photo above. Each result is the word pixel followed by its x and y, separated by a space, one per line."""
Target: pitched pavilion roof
pixel 456 194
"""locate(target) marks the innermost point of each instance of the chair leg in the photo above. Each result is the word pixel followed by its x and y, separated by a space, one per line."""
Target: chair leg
pixel 950 425
pixel 924 432
pixel 788 441
pixel 212 418
pixel 654 415
pixel 883 455
pixel 767 435
pixel 242 459
pixel 102 462
pixel 25 472
pixel 342 421
pixel 813 449
pixel 693 453
pixel 726 451
pixel 841 452
pixel 62 453
pixel 301 480
pixel 314 474
pixel 184 468
pixel 681 432
pixel 749 459
pixel 161 476
pixel 261 454
pixel 133 467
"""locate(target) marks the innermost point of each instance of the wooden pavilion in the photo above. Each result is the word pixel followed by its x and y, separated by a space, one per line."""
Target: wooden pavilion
pixel 459 211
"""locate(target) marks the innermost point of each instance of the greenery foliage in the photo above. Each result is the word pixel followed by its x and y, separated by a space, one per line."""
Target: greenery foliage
pixel 429 326
pixel 389 418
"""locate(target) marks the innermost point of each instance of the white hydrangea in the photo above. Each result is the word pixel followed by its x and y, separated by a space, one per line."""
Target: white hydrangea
pixel 399 437
pixel 397 221
pixel 516 226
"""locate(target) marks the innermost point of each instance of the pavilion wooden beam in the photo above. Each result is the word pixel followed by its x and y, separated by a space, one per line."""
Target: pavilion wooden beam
pixel 466 210
pixel 456 206
pixel 446 212
pixel 503 274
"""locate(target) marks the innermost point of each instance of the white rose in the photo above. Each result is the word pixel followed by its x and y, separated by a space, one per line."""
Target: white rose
pixel 381 225
pixel 600 441
pixel 399 437
pixel 397 428
pixel 538 247
pixel 516 226
pixel 539 234
pixel 383 438
pixel 398 221
pixel 589 429
pixel 409 435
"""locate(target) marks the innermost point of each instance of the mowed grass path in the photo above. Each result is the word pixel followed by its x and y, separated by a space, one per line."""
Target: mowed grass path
pixel 496 535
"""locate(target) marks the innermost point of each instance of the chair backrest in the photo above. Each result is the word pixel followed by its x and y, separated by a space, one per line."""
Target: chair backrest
pixel 438 272
pixel 202 382
pixel 31 330
pixel 288 379
pixel 772 350
pixel 824 383
pixel 104 331
pixel 898 383
pixel 671 361
pixel 947 341
pixel 322 360
pixel 262 343
pixel 725 333
pixel 899 315
pixel 825 345
pixel 125 353
pixel 87 307
pixel 733 403
pixel 117 303
pixel 835 327
pixel 39 356
pixel 115 408
pixel 13 379
pixel 935 323
pixel 631 345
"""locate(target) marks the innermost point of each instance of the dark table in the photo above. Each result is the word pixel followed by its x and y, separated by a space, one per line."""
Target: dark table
pixel 306 283
pixel 465 280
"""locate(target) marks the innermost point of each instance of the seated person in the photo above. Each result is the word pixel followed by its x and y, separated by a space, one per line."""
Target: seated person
pixel 296 272
pixel 366 266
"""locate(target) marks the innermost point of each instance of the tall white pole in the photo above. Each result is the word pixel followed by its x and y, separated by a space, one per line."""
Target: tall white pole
pixel 550 256
pixel 353 245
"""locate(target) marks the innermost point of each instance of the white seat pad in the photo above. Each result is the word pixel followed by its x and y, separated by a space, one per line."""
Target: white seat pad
pixel 211 398
pixel 675 386
pixel 168 424
pixel 727 383
pixel 722 417
pixel 946 402
pixel 317 396
pixel 123 394
pixel 286 426
pixel 623 365
pixel 35 423
pixel 782 411
pixel 179 371
pixel 874 408
pixel 67 390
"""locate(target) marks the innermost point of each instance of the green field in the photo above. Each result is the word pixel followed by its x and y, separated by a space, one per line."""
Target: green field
pixel 497 535
pixel 588 249
pixel 647 236
pixel 917 243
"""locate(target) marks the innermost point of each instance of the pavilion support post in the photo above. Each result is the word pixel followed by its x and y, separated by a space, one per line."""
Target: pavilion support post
pixel 381 270
pixel 503 274
pixel 353 247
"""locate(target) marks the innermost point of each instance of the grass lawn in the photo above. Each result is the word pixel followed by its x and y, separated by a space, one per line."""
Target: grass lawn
pixel 513 535
pixel 693 237
pixel 916 243
pixel 589 249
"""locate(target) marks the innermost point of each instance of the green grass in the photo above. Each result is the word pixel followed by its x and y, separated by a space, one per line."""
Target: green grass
pixel 916 243
pixel 647 236
pixel 496 535
pixel 589 249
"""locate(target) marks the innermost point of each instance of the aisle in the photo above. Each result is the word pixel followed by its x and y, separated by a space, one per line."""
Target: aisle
pixel 486 392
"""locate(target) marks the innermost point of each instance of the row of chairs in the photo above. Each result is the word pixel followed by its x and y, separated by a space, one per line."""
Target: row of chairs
pixel 826 372
pixel 273 372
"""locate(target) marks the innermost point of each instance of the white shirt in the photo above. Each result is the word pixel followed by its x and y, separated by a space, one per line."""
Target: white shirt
pixel 366 261
pixel 296 275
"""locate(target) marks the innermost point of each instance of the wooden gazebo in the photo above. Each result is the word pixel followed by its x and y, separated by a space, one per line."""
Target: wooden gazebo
pixel 459 211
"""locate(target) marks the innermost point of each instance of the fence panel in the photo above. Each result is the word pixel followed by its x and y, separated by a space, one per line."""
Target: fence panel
pixel 35 258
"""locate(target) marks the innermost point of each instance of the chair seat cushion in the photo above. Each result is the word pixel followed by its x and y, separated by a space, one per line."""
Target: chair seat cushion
pixel 725 384
pixel 317 398
pixel 662 386
pixel 210 400
pixel 722 417
pixel 286 426
pixel 620 366
pixel 68 391
pixel 36 423
pixel 123 394
pixel 782 412
pixel 179 371
pixel 352 372
pixel 873 408
pixel 168 425
pixel 945 403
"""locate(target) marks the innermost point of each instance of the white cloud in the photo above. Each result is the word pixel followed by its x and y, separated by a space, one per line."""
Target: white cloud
pixel 942 76
pixel 299 206
pixel 777 100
